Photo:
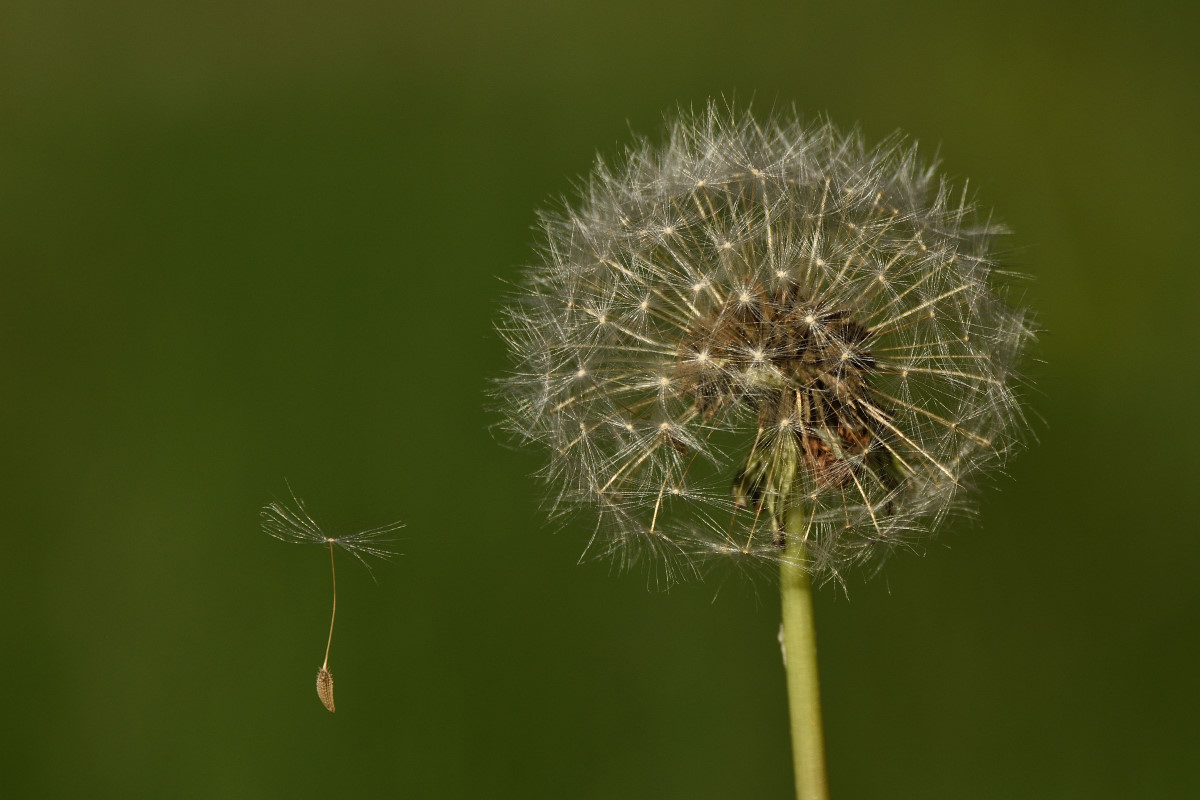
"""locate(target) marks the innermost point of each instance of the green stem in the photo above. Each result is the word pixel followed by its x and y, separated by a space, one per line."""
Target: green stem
pixel 800 656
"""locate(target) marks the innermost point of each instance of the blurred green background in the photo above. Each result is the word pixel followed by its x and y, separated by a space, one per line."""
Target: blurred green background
pixel 243 241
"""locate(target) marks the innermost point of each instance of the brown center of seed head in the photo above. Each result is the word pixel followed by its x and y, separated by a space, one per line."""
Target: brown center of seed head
pixel 802 369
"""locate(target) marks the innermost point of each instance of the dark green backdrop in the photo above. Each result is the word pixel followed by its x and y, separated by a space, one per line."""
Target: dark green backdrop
pixel 240 242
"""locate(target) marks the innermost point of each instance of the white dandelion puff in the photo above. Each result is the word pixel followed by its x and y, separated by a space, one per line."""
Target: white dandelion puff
pixel 761 317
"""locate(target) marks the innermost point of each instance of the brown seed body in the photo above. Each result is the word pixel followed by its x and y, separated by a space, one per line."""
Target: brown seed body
pixel 325 688
pixel 803 367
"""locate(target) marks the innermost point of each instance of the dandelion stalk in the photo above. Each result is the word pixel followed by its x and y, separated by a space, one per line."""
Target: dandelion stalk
pixel 800 664
pixel 768 344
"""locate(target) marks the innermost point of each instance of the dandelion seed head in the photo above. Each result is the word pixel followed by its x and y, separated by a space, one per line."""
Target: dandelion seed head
pixel 772 315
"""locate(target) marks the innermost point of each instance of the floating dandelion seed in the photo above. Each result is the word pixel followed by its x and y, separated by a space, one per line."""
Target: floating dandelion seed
pixel 297 526
pixel 756 319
